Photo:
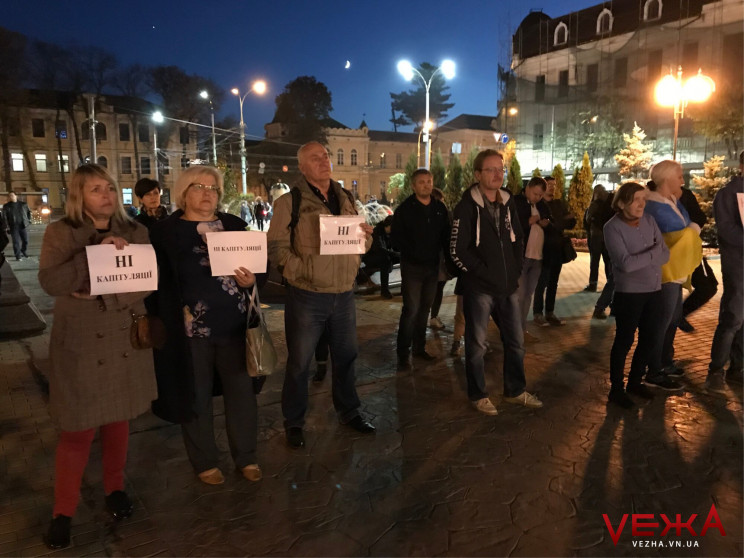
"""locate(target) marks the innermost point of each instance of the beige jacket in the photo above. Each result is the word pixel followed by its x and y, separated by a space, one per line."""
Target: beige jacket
pixel 303 266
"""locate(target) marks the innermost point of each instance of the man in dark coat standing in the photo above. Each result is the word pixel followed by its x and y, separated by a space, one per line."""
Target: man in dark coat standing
pixel 18 217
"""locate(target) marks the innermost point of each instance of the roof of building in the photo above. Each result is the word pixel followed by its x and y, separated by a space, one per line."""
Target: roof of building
pixel 469 122
pixel 379 135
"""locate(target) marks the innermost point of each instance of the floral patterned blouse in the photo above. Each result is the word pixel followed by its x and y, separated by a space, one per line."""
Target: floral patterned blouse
pixel 214 307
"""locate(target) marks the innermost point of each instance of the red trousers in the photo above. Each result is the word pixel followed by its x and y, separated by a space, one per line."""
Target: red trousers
pixel 73 450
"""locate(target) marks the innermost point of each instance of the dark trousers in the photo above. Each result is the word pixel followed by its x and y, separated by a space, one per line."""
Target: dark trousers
pixel 438 296
pixel 727 340
pixel 671 312
pixel 505 312
pixel 306 316
pixel 20 241
pixel 418 287
pixel 595 253
pixel 321 349
pixel 635 311
pixel 227 357
pixel 260 223
pixel 705 286
pixel 547 286
pixel 605 297
pixel 382 262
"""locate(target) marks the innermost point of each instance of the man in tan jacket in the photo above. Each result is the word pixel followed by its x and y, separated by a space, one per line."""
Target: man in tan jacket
pixel 320 293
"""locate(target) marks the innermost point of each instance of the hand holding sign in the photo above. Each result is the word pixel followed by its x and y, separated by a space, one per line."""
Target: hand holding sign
pixel 342 234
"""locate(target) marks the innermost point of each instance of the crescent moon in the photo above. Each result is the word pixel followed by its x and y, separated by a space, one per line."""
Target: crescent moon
pixel 348 65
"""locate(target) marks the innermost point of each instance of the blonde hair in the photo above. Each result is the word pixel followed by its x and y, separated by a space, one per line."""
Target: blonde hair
pixel 187 178
pixel 74 210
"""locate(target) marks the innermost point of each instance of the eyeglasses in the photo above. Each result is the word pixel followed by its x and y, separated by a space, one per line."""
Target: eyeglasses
pixel 496 170
pixel 207 187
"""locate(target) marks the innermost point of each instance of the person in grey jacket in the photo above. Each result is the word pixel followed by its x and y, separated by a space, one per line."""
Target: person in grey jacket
pixel 637 251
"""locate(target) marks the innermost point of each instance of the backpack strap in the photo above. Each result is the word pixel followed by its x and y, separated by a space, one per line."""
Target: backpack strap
pixel 295 218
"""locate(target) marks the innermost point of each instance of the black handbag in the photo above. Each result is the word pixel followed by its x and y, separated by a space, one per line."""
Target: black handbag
pixel 568 253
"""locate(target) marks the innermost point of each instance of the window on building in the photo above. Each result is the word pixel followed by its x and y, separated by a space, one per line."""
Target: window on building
pixel 621 72
pixel 163 166
pixel 652 10
pixel 382 160
pixel 101 131
pixel 124 132
pixel 103 161
pixel 560 35
pixel 41 162
pixel 690 56
pixel 563 83
pixel 369 158
pixel 126 165
pixel 37 127
pixel 735 71
pixel 340 157
pixel 143 133
pixel 383 188
pixel 16 160
pixel 183 134
pixel 126 196
pixel 592 77
pixel 14 127
pixel 540 87
pixel 398 161
pixel 85 131
pixel 604 22
pixel 63 163
pixel 353 157
pixel 653 65
pixel 355 188
pixel 537 136
pixel 456 147
pixel 145 165
pixel 60 129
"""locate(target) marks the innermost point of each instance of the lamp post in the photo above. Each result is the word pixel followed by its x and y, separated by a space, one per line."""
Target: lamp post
pixel 205 95
pixel 259 88
pixel 671 92
pixel 157 118
pixel 427 128
pixel 447 69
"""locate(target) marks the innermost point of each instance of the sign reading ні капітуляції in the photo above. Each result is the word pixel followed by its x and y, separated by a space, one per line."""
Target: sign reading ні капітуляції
pixel 130 270
pixel 342 234
pixel 229 250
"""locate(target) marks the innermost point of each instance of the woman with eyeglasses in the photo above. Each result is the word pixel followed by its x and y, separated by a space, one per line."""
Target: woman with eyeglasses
pixel 205 318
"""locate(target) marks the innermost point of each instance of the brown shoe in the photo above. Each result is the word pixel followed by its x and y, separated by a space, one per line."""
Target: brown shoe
pixel 252 472
pixel 212 476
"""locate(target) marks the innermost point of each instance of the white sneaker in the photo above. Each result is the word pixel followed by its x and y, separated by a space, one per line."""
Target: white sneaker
pixel 526 399
pixel 540 320
pixel 485 406
pixel 436 323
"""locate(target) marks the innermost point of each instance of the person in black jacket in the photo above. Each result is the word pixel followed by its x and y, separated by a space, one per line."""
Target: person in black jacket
pixel 420 231
pixel 486 245
pixel 18 219
pixel 148 192
pixel 381 255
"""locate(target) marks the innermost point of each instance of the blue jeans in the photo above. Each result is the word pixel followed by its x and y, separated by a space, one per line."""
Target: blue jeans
pixel 20 241
pixel 419 286
pixel 306 317
pixel 531 270
pixel 505 312
pixel 727 340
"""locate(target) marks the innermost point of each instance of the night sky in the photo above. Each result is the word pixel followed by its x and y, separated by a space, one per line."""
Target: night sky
pixel 234 42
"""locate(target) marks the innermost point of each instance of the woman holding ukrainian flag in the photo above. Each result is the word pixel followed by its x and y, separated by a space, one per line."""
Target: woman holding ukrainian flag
pixel 682 237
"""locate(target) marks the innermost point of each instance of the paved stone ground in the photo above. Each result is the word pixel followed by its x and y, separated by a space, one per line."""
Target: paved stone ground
pixel 437 479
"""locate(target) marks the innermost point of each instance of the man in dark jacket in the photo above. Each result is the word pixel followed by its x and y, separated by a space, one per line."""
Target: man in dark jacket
pixel 486 245
pixel 420 231
pixel 18 217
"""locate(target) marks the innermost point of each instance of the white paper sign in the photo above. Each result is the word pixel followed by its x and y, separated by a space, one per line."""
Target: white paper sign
pixel 341 234
pixel 740 199
pixel 130 270
pixel 229 250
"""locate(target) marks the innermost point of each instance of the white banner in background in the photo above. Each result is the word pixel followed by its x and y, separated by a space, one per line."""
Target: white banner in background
pixel 341 234
pixel 229 250
pixel 130 270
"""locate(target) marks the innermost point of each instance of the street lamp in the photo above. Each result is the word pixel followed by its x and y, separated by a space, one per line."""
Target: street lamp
pixel 157 118
pixel 671 92
pixel 428 125
pixel 205 95
pixel 259 88
pixel 447 69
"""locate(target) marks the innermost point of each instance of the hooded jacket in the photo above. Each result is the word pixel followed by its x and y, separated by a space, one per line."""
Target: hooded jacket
pixel 489 254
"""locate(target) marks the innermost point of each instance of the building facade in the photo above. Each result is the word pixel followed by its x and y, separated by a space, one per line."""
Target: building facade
pixel 581 79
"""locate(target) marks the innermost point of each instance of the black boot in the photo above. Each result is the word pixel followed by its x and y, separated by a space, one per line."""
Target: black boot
pixel 119 505
pixel 58 535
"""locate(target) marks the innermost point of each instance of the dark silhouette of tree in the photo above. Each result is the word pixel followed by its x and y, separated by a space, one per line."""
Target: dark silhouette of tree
pixel 304 107
pixel 411 104
pixel 12 56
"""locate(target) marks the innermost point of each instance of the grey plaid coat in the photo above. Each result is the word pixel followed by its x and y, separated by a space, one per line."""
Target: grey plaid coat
pixel 97 377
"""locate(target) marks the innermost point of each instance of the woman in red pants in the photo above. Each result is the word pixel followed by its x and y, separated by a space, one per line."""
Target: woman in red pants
pixel 97 381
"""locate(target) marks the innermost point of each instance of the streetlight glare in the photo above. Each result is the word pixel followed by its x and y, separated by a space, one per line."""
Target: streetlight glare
pixel 698 88
pixel 448 69
pixel 513 111
pixel 204 95
pixel 259 87
pixel 405 69
pixel 235 91
pixel 668 91
pixel 157 116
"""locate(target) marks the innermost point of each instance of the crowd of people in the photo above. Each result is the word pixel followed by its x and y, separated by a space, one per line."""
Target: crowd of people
pixel 505 251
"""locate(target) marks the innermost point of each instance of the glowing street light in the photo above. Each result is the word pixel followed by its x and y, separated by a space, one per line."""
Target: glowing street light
pixel 671 92
pixel 447 68
pixel 157 118
pixel 258 88
pixel 205 95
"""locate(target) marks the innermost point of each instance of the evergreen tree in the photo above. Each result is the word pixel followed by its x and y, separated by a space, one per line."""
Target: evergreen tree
pixel 411 106
pixel 405 190
pixel 438 171
pixel 395 187
pixel 514 179
pixel 454 183
pixel 560 182
pixel 714 177
pixel 468 173
pixel 634 159
pixel 580 189
pixel 536 172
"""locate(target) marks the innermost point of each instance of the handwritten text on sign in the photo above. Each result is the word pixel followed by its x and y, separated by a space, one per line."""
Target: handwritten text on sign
pixel 130 270
pixel 230 250
pixel 341 234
